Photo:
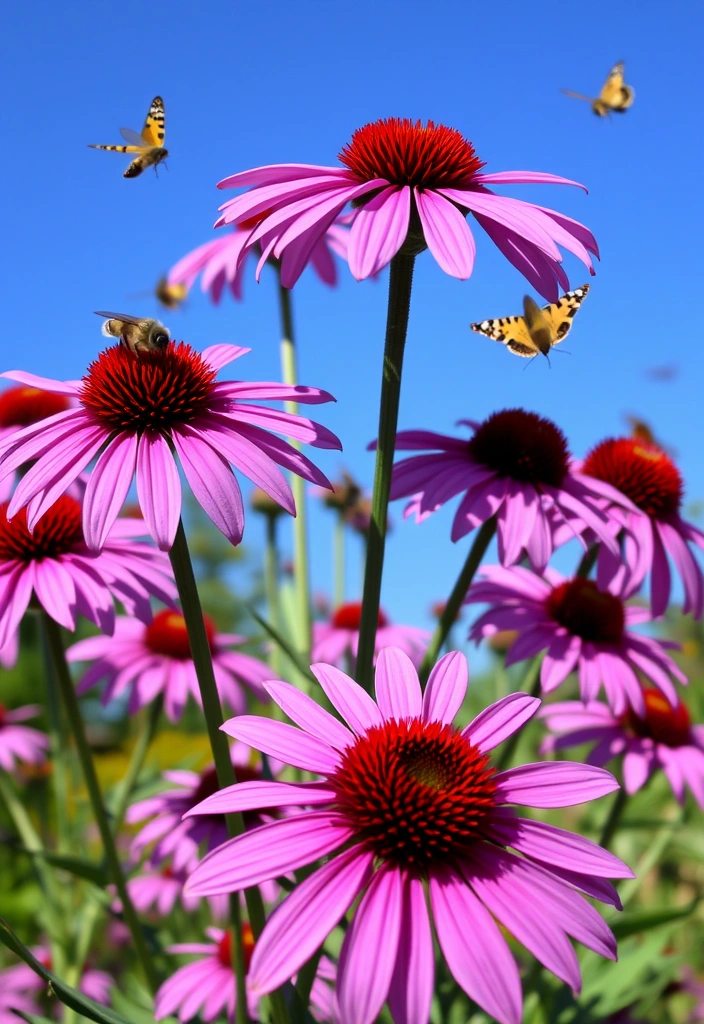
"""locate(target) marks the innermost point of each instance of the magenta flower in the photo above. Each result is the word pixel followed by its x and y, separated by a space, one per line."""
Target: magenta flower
pixel 406 798
pixel 159 889
pixel 407 181
pixel 207 985
pixel 19 981
pixel 157 659
pixel 515 466
pixel 134 413
pixel 338 639
pixel 652 521
pixel 53 567
pixel 219 260
pixel 661 739
pixel 10 651
pixel 14 1001
pixel 581 627
pixel 19 742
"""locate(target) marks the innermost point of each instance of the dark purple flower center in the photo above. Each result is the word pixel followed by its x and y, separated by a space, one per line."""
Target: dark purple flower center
pixel 586 611
pixel 407 152
pixel 149 391
pixel 523 446
pixel 641 471
pixel 58 532
pixel 416 792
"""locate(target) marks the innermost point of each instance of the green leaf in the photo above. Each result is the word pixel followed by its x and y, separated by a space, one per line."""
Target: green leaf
pixel 86 869
pixel 638 921
pixel 32 1018
pixel 76 1000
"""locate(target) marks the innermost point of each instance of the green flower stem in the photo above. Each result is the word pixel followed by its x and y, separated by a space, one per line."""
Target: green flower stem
pixel 400 284
pixel 613 818
pixel 459 592
pixel 339 560
pixel 628 889
pixel 73 714
pixel 144 741
pixel 588 561
pixel 531 685
pixel 200 652
pixel 271 588
pixel 289 373
pixel 59 753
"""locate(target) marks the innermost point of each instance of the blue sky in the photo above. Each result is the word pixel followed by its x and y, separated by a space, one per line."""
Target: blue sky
pixel 257 83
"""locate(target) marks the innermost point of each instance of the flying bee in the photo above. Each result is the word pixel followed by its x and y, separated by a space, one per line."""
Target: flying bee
pixel 149 145
pixel 615 97
pixel 136 333
pixel 170 295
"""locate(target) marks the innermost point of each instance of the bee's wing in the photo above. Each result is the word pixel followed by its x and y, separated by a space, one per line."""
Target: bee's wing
pixel 124 317
pixel 577 95
pixel 134 138
pixel 155 125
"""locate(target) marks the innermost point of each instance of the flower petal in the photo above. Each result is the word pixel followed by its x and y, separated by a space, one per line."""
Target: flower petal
pixel 446 689
pixel 500 720
pixel 379 231
pixel 290 745
pixel 411 990
pixel 447 233
pixel 107 489
pixel 158 488
pixel 348 698
pixel 302 710
pixel 553 784
pixel 552 845
pixel 398 692
pixel 250 796
pixel 212 481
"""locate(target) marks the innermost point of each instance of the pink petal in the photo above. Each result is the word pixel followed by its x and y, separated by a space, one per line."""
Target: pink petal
pixel 398 692
pixel 56 592
pixel 552 845
pixel 299 427
pixel 158 488
pixel 509 214
pixel 107 488
pixel 556 784
pixel 290 745
pixel 217 356
pixel 249 796
pixel 302 710
pixel 56 387
pixel 500 720
pixel 348 698
pixel 411 989
pixel 447 233
pixel 524 178
pixel 446 689
pixel 211 480
pixel 379 231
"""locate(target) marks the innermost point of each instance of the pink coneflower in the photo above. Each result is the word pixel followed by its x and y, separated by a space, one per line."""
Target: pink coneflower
pixel 653 524
pixel 159 889
pixel 409 182
pixel 219 260
pixel 516 466
pixel 20 980
pixel 21 406
pixel 157 659
pixel 10 651
pixel 52 566
pixel 19 742
pixel 661 738
pixel 338 638
pixel 207 985
pixel 581 628
pixel 135 412
pixel 407 799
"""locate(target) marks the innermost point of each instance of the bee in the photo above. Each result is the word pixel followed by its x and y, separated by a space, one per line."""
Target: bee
pixel 170 295
pixel 149 145
pixel 614 96
pixel 538 330
pixel 136 333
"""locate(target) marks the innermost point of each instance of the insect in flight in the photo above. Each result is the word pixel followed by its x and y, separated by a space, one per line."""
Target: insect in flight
pixel 136 333
pixel 538 329
pixel 170 295
pixel 614 97
pixel 149 146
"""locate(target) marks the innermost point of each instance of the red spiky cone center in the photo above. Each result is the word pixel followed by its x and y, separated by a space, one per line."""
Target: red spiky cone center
pixel 407 152
pixel 586 611
pixel 349 616
pixel 641 471
pixel 58 532
pixel 225 947
pixel 151 391
pixel 167 634
pixel 662 722
pixel 22 406
pixel 523 446
pixel 416 792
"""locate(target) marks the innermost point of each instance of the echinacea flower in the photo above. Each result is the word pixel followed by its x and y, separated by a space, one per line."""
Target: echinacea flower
pixel 408 182
pixel 582 629
pixel 662 738
pixel 157 659
pixel 19 981
pixel 654 527
pixel 21 406
pixel 52 566
pixel 206 986
pixel 338 638
pixel 516 467
pixel 402 801
pixel 159 889
pixel 135 413
pixel 19 742
pixel 219 261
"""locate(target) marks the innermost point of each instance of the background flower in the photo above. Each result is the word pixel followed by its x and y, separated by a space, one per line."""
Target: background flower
pixel 19 742
pixel 338 638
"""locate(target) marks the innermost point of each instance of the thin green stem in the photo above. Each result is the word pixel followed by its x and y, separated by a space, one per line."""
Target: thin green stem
pixel 289 373
pixel 271 587
pixel 531 685
pixel 202 660
pixel 400 285
pixel 588 561
pixel 651 857
pixel 73 714
pixel 134 768
pixel 339 560
pixel 459 592
pixel 59 753
pixel 613 818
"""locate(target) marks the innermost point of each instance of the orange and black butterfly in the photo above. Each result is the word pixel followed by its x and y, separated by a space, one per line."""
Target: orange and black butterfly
pixel 539 329
pixel 615 97
pixel 149 146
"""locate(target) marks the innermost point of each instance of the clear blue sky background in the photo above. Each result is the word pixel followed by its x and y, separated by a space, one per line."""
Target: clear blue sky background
pixel 258 83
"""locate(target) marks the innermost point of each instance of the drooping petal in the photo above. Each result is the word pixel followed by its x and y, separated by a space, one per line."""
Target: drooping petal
pixel 212 481
pixel 447 233
pixel 524 178
pixel 411 989
pixel 552 845
pixel 107 488
pixel 158 488
pixel 379 231
pixel 556 784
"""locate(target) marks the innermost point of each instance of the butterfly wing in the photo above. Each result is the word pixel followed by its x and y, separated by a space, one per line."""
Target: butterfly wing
pixel 134 138
pixel 561 313
pixel 153 133
pixel 511 331
pixel 615 94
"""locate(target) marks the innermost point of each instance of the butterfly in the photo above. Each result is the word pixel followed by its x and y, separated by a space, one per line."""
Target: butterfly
pixel 538 329
pixel 149 145
pixel 614 96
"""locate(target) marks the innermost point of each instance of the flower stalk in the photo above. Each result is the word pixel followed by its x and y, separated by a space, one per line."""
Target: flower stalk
pixel 400 285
